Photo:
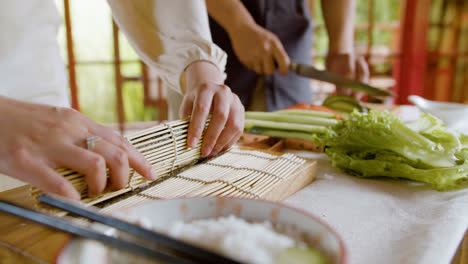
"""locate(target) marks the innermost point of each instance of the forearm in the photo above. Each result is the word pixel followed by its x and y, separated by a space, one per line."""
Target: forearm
pixel 230 14
pixel 339 17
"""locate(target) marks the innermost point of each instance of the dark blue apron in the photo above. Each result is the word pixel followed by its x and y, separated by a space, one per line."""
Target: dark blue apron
pixel 290 21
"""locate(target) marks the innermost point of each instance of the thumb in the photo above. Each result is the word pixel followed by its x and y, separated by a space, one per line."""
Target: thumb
pixel 362 69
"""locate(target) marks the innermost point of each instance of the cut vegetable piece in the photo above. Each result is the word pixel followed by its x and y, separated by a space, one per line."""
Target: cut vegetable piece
pixel 298 119
pixel 343 103
pixel 306 113
pixel 252 123
pixel 283 134
pixel 299 255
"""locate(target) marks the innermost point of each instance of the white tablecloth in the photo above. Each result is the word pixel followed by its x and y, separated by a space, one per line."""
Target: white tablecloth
pixel 386 221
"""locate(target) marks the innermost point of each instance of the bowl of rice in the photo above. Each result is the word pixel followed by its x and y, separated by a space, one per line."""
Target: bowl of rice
pixel 249 231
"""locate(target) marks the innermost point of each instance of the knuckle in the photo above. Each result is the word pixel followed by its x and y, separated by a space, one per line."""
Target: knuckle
pixel 220 113
pixel 60 187
pixel 19 154
pixel 120 142
pixel 224 88
pixel 121 158
pixel 238 127
pixel 204 87
pixel 97 163
pixel 203 107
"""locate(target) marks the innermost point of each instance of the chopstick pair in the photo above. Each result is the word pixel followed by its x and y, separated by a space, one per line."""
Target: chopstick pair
pixel 189 254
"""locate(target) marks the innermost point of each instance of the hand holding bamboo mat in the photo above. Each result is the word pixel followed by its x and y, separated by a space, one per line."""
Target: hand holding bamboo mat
pixel 164 146
pixel 237 172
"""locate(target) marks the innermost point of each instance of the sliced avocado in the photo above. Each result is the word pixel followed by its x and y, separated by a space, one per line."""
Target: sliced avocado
pixel 300 255
pixel 343 103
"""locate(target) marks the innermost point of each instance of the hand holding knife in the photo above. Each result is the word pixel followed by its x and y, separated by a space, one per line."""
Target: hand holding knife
pixel 337 79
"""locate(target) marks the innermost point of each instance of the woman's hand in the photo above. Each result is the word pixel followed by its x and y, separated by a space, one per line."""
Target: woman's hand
pixel 259 49
pixel 205 93
pixel 36 139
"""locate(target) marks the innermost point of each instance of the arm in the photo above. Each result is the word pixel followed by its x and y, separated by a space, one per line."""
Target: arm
pixel 174 38
pixel 339 17
pixel 257 48
pixel 36 139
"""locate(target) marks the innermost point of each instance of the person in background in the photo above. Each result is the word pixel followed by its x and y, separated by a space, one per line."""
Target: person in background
pixel 261 36
pixel 39 133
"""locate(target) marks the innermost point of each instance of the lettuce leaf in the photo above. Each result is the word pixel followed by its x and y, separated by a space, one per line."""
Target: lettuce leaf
pixel 388 164
pixel 383 131
pixel 380 144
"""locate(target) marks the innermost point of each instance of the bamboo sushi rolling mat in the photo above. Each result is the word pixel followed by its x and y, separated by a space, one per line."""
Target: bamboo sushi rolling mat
pixel 239 172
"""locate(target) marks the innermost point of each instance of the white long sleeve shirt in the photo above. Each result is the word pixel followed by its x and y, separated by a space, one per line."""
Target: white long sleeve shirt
pixel 31 68
pixel 167 34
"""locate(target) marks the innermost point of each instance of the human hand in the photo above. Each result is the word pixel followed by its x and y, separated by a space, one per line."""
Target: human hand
pixel 206 94
pixel 347 64
pixel 259 49
pixel 36 139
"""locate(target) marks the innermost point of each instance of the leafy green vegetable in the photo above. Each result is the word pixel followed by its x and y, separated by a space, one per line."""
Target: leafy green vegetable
pixel 380 144
pixel 464 141
pixel 384 131
pixel 388 164
pixel 433 128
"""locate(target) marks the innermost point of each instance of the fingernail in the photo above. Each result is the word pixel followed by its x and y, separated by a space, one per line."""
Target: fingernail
pixel 193 142
pixel 213 154
pixel 153 175
pixel 76 196
pixel 206 152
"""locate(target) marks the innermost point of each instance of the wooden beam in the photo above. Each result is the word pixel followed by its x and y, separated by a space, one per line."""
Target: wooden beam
pixel 118 78
pixel 71 57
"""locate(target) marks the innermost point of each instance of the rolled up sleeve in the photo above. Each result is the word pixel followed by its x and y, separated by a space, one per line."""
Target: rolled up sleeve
pixel 168 35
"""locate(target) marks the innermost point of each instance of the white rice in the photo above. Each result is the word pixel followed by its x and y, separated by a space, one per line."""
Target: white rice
pixel 247 242
pixel 255 243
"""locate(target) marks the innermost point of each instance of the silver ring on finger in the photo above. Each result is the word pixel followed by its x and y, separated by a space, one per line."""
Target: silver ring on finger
pixel 90 142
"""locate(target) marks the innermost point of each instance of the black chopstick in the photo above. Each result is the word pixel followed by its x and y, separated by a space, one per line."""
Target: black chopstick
pixel 88 212
pixel 75 229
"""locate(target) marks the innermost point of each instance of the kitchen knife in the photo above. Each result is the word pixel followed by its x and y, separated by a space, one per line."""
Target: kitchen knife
pixel 337 79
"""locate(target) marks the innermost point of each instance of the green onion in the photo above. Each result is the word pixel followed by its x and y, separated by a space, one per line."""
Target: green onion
pixel 306 113
pixel 252 123
pixel 289 118
pixel 283 134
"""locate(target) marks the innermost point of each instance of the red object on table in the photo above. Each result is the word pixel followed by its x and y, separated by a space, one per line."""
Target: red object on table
pixel 410 67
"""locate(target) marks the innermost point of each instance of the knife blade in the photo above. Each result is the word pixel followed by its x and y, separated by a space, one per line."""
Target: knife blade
pixel 337 79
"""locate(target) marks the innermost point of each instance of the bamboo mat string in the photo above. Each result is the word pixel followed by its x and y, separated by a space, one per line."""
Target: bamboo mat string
pixel 174 144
